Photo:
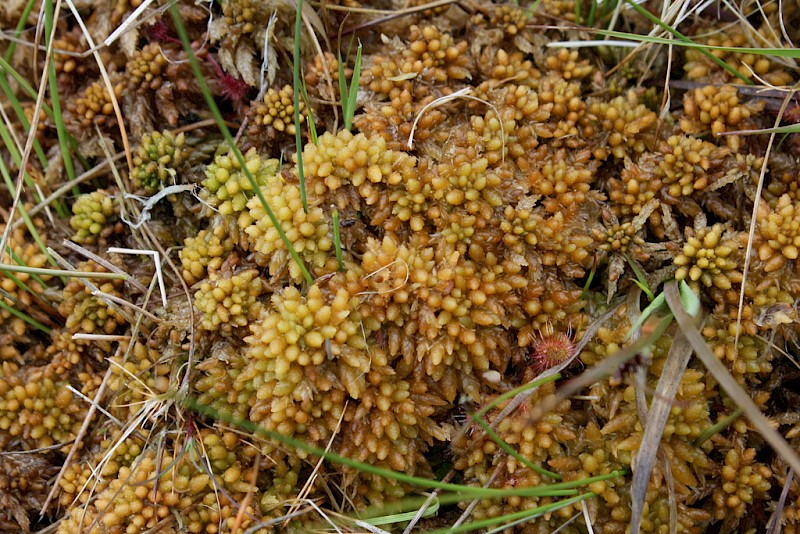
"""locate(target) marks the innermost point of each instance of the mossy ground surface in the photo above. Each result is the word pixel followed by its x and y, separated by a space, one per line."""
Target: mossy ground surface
pixel 497 194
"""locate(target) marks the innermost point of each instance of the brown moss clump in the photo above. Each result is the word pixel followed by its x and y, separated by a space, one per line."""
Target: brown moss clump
pixel 228 302
pixel 155 493
pixel 227 186
pixel 36 408
pixel 498 64
pixel 717 110
pixel 157 158
pixel 206 251
pixel 632 191
pixel 435 56
pixel 71 69
pixel 565 179
pixel 138 374
pixel 749 361
pixel 507 18
pixel 686 165
pixel 94 107
pixel 23 489
pixel 779 229
pixel 700 67
pixel 20 249
pixel 146 68
pixel 624 124
pixel 567 64
pixel 92 214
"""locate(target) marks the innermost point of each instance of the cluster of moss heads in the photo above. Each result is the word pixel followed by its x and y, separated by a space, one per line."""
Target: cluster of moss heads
pixel 480 236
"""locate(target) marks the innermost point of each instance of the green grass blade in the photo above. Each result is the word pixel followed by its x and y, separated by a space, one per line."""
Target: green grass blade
pixel 658 22
pixel 298 138
pixel 718 427
pixel 510 450
pixel 30 320
pixel 23 19
pixel 60 272
pixel 791 53
pixel 56 101
pixel 558 489
pixel 312 128
pixel 352 91
pixel 212 106
pixel 522 514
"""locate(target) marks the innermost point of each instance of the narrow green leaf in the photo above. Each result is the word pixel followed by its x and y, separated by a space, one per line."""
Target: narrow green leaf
pixel 180 28
pixel 352 95
pixel 298 19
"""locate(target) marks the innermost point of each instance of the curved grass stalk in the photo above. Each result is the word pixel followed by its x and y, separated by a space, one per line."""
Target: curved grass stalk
pixel 180 28
pixel 460 492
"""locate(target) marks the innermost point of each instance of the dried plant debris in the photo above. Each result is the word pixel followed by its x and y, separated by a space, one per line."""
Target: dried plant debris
pixel 501 205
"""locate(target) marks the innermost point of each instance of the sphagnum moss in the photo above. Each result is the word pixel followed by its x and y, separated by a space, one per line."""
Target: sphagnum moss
pixel 468 253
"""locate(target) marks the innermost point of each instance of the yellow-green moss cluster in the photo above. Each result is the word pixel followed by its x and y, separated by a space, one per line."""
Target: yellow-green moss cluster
pixel 88 312
pixel 229 301
pixel 743 481
pixel 308 232
pixel 710 259
pixel 206 251
pixel 156 160
pixel 227 186
pixel 779 229
pixel 91 214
